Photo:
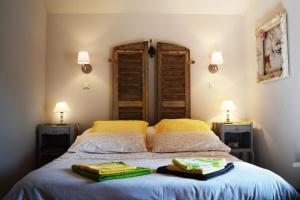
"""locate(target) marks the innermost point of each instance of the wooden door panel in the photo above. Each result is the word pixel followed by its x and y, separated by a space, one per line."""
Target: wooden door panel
pixel 130 80
pixel 173 81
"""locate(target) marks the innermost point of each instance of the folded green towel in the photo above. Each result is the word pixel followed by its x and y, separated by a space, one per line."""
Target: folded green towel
pixel 106 168
pixel 139 171
pixel 199 162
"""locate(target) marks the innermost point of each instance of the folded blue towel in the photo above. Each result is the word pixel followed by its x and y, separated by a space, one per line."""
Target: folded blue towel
pixel 164 170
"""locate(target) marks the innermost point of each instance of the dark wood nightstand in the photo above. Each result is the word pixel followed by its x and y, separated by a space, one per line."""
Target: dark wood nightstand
pixel 238 136
pixel 54 140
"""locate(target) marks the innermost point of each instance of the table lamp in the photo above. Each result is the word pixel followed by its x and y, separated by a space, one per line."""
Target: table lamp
pixel 228 106
pixel 61 107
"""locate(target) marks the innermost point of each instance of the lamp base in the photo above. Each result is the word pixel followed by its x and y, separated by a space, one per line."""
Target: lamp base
pixel 86 68
pixel 213 68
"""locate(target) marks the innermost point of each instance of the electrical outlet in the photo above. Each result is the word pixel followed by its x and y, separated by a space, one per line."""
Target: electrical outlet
pixel 296 164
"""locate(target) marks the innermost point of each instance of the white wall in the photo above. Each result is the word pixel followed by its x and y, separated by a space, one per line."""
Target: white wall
pixel 98 33
pixel 275 106
pixel 22 86
pixel 228 7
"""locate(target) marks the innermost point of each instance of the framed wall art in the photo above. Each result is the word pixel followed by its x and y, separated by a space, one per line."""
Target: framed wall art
pixel 272 49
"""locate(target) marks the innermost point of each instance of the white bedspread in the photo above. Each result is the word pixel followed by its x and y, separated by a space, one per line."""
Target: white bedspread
pixel 56 181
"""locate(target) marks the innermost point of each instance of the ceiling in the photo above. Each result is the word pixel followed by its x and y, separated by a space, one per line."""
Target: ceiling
pixel 216 7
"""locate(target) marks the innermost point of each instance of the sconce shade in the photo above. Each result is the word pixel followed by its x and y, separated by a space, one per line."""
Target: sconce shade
pixel 83 58
pixel 227 106
pixel 217 58
pixel 61 107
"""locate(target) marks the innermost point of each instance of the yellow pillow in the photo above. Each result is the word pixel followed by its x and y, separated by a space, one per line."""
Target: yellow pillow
pixel 181 125
pixel 120 126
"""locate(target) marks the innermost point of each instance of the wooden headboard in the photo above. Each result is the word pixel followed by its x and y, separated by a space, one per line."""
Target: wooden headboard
pixel 131 87
pixel 173 81
pixel 130 81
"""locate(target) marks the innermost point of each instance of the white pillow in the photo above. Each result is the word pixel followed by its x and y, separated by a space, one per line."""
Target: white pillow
pixel 183 142
pixel 109 143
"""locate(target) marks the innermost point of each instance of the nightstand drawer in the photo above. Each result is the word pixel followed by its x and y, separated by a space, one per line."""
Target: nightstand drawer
pixel 52 141
pixel 237 128
pixel 55 130
pixel 238 140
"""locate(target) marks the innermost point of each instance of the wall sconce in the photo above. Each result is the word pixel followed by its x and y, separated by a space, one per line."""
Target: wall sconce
pixel 84 61
pixel 228 106
pixel 216 60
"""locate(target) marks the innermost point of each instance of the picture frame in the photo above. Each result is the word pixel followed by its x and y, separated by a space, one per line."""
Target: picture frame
pixel 272 49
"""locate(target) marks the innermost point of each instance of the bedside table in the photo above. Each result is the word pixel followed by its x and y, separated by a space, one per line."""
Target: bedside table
pixel 54 140
pixel 238 136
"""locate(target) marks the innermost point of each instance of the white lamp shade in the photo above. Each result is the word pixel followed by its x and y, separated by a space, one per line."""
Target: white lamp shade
pixel 228 105
pixel 217 58
pixel 61 107
pixel 83 57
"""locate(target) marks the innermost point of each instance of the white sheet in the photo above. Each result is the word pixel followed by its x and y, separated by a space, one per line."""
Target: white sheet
pixel 57 181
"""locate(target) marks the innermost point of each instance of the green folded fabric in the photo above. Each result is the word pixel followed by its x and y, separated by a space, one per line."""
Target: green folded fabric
pixel 139 171
pixel 199 162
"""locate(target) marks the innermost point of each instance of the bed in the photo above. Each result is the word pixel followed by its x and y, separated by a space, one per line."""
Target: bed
pixel 57 181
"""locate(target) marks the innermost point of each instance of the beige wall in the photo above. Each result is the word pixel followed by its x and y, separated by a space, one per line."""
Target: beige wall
pixel 22 86
pixel 98 33
pixel 275 106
